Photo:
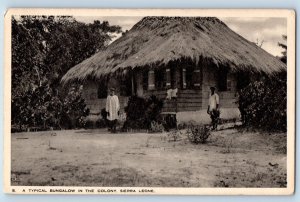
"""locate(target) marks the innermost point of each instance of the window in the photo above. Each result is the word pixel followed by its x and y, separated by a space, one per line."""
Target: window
pixel 174 79
pixel 229 84
pixel 187 77
pixel 145 80
pixel 222 80
pixel 160 79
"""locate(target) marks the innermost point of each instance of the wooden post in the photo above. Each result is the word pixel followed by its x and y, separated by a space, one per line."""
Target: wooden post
pixel 139 84
pixel 132 83
pixel 184 78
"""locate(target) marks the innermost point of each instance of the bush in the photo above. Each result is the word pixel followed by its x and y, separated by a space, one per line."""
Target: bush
pixel 198 133
pixel 135 111
pixel 74 108
pixel 103 113
pixel 42 108
pixel 89 124
pixel 153 110
pixel 37 107
pixel 263 103
pixel 156 127
pixel 94 122
pixel 174 135
pixel 142 112
pixel 170 121
pixel 101 123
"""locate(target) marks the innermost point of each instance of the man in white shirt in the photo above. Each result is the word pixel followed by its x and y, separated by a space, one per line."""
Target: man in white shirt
pixel 213 107
pixel 112 109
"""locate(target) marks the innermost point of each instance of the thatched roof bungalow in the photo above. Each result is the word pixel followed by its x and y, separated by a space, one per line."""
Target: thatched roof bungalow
pixel 188 53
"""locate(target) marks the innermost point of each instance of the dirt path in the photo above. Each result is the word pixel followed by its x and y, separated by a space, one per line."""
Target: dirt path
pixel 97 158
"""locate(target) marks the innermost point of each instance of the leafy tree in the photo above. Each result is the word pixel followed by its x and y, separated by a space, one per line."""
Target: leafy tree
pixel 27 59
pixel 44 48
pixel 74 108
pixel 283 58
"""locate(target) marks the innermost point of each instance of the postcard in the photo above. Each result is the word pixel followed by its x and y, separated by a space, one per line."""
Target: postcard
pixel 149 101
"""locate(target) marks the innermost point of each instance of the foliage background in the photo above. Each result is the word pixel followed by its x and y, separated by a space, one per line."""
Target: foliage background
pixel 44 48
pixel 263 101
pixel 141 112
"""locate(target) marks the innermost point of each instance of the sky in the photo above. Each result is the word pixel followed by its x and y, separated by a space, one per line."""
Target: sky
pixel 267 32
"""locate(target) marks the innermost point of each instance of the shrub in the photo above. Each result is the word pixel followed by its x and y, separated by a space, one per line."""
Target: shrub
pixel 93 122
pixel 135 111
pixel 37 107
pixel 156 127
pixel 103 113
pixel 263 103
pixel 153 109
pixel 174 135
pixel 89 124
pixel 42 108
pixel 171 121
pixel 101 123
pixel 141 112
pixel 74 108
pixel 198 133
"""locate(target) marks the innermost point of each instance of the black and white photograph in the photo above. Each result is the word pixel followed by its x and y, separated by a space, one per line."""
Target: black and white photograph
pixel 153 102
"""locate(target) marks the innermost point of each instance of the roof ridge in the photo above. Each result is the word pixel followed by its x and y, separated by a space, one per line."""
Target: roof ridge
pixel 153 21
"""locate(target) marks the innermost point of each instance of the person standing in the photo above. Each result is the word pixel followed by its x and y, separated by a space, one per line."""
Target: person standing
pixel 112 109
pixel 213 107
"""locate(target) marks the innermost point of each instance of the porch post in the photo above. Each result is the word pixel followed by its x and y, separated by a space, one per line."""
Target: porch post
pixel 132 84
pixel 184 78
pixel 139 83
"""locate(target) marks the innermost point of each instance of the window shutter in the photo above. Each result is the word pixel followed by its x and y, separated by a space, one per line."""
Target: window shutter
pixel 197 78
pixel 229 84
pixel 145 80
pixel 168 78
pixel 151 80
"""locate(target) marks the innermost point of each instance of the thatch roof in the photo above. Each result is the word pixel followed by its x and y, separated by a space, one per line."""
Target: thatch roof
pixel 156 41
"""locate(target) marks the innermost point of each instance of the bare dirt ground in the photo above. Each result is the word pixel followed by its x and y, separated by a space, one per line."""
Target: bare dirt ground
pixel 230 158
